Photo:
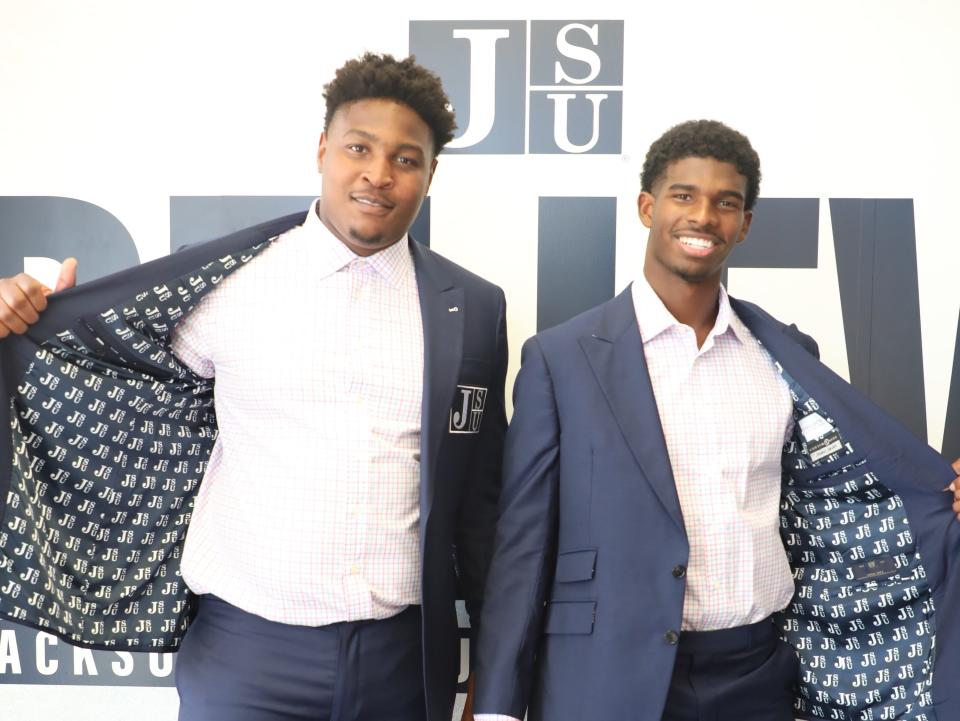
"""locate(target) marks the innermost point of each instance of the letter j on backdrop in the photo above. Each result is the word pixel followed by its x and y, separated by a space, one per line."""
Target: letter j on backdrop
pixel 568 98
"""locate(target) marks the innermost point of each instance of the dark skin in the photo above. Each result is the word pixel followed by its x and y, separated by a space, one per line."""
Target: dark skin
pixel 696 216
pixel 377 161
pixel 23 298
pixel 697 199
pixel 955 487
pixel 376 158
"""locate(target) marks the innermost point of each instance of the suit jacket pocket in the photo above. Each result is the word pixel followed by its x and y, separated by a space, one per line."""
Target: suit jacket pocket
pixel 571 617
pixel 576 566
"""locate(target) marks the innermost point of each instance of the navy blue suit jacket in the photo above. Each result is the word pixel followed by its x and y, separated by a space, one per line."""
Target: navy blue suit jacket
pixel 582 591
pixel 110 436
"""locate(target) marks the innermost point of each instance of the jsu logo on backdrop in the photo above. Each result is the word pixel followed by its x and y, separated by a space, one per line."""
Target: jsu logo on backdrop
pixel 567 99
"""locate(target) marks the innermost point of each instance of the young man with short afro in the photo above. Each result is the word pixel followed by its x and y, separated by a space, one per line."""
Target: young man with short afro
pixel 699 520
pixel 352 449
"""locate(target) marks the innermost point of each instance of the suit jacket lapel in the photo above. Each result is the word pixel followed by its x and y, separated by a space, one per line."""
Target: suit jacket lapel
pixel 442 310
pixel 615 353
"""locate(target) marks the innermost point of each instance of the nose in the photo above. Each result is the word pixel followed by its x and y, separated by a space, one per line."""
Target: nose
pixel 702 213
pixel 379 172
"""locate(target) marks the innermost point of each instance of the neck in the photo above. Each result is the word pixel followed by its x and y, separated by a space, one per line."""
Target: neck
pixel 693 303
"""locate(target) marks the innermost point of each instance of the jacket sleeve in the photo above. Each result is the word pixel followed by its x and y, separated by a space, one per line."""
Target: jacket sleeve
pixel 525 544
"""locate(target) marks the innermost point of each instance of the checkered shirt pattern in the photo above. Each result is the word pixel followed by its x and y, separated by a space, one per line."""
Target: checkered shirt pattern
pixel 725 413
pixel 309 510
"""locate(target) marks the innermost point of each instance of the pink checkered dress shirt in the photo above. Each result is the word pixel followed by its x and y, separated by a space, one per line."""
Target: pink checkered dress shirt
pixel 309 510
pixel 725 413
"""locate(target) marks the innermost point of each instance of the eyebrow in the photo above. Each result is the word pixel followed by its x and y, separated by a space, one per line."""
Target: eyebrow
pixel 724 193
pixel 408 147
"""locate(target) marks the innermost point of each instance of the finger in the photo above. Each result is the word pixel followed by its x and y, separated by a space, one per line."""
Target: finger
pixel 16 310
pixel 68 275
pixel 12 324
pixel 956 466
pixel 33 289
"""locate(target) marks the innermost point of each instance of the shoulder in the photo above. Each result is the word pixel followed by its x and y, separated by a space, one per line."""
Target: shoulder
pixel 585 323
pixel 560 340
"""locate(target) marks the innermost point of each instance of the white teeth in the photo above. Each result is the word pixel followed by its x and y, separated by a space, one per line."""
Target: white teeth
pixel 366 201
pixel 701 243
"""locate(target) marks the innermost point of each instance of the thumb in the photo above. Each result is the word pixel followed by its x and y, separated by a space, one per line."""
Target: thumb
pixel 68 275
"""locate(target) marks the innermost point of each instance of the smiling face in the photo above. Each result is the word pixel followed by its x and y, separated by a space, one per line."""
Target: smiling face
pixel 376 157
pixel 696 216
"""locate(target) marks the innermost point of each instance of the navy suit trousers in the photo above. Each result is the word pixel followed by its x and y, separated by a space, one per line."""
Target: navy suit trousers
pixel 236 666
pixel 738 674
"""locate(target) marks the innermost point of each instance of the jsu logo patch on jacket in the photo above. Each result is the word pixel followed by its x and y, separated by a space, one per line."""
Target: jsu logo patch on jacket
pixel 467 412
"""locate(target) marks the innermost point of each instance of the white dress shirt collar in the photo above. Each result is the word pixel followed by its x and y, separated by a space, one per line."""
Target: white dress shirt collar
pixel 653 318
pixel 394 263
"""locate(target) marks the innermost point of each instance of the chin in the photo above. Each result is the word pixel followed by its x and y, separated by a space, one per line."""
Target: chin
pixel 366 239
pixel 696 275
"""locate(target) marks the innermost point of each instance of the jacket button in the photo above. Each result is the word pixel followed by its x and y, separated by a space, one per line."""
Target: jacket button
pixel 679 571
pixel 671 637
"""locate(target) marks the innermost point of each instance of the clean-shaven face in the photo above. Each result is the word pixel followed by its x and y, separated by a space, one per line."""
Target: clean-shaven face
pixel 696 216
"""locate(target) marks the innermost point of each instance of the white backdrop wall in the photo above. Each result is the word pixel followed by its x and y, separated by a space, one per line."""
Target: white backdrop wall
pixel 124 105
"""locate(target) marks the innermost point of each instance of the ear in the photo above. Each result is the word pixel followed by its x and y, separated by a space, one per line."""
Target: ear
pixel 321 151
pixel 645 202
pixel 433 169
pixel 745 228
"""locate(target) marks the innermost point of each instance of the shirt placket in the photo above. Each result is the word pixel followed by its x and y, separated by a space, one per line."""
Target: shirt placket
pixel 689 445
pixel 357 592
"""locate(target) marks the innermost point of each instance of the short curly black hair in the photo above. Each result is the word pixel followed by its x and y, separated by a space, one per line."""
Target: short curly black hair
pixel 404 81
pixel 703 139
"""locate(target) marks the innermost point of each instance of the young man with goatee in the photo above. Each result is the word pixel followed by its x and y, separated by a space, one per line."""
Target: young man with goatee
pixel 700 521
pixel 345 472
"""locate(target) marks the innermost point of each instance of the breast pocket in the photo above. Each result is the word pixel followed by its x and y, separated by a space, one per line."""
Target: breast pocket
pixel 573 566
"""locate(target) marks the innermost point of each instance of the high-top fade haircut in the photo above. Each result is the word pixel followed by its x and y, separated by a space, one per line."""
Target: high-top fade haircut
pixel 381 76
pixel 703 139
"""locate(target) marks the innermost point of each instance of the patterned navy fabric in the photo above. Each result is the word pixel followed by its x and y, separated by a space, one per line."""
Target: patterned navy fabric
pixel 862 617
pixel 110 437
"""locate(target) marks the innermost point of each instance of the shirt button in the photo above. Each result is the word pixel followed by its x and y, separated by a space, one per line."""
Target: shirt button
pixel 671 637
pixel 354 569
pixel 679 571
